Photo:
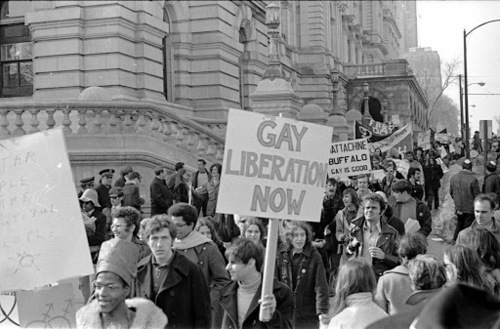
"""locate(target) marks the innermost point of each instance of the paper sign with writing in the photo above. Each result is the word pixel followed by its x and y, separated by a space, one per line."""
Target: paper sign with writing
pixel 424 139
pixel 349 158
pixel 52 307
pixel 273 167
pixel 42 237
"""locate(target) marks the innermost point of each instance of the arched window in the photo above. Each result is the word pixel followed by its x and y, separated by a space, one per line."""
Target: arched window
pixel 16 55
pixel 168 81
pixel 375 109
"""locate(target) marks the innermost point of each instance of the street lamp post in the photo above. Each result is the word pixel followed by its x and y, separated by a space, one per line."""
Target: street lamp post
pixel 461 91
pixel 467 132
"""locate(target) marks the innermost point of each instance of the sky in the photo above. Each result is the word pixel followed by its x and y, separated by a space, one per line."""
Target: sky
pixel 440 27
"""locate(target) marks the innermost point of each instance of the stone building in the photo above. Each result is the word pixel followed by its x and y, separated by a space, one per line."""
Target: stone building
pixel 149 82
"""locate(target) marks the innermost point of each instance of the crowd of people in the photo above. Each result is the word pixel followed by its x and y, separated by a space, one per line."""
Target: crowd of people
pixel 364 264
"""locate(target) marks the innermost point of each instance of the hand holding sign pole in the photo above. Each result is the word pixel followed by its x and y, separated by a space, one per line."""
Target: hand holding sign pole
pixel 280 167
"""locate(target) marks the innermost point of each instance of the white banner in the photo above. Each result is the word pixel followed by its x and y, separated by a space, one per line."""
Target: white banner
pixel 273 167
pixel 349 158
pixel 394 140
pixel 42 237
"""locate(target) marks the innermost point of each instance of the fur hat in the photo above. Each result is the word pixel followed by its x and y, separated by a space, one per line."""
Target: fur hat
pixel 90 195
pixel 119 257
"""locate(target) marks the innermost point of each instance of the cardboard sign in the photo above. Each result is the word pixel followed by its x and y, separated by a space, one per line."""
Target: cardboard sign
pixel 378 174
pixel 402 166
pixel 52 307
pixel 349 158
pixel 42 237
pixel 273 167
pixel 424 140
pixel 401 140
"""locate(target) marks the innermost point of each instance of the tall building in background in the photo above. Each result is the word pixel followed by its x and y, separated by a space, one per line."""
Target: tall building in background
pixel 406 16
pixel 426 65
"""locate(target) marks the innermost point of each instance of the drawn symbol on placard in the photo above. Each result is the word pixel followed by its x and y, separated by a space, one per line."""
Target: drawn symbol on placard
pixel 25 260
pixel 69 306
pixel 6 315
pixel 50 321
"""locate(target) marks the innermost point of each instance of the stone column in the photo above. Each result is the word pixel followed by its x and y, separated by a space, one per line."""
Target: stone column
pixel 352 51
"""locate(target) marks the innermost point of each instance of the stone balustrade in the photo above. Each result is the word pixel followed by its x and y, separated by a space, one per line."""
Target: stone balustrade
pixel 363 70
pixel 198 136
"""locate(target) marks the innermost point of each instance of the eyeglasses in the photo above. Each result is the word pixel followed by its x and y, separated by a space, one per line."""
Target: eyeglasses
pixel 110 286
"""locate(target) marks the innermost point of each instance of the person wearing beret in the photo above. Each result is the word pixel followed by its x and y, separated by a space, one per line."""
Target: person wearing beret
pixel 110 307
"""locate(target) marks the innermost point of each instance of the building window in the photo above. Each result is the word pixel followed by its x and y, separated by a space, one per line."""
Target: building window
pixel 16 50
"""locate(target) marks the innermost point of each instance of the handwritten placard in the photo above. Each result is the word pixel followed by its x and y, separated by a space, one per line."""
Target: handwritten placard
pixel 349 158
pixel 42 237
pixel 273 167
pixel 51 307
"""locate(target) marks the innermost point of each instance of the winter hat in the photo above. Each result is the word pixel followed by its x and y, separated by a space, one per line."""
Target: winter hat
pixel 119 257
pixel 90 195
pixel 491 166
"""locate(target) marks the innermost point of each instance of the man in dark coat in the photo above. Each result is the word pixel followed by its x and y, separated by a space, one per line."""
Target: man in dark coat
pixel 199 179
pixel 103 191
pixel 491 179
pixel 161 198
pixel 373 239
pixel 171 281
pixel 240 298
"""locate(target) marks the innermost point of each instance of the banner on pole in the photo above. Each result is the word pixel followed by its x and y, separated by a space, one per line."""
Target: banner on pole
pixel 349 158
pixel 373 130
pixel 42 237
pixel 401 140
pixel 273 167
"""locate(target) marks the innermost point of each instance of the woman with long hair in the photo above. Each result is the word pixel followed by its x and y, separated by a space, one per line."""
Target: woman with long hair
pixel 212 187
pixel 254 231
pixel 207 228
pixel 343 220
pixel 299 265
pixel 464 266
pixel 487 247
pixel 353 305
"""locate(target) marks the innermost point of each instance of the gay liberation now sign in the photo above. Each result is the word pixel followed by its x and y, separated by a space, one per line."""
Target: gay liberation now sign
pixel 42 237
pixel 349 158
pixel 273 167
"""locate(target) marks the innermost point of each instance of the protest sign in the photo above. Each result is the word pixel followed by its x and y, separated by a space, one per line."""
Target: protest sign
pixel 9 317
pixel 373 130
pixel 42 237
pixel 378 174
pixel 424 139
pixel 273 167
pixel 349 158
pixel 402 166
pixel 51 307
pixel 401 140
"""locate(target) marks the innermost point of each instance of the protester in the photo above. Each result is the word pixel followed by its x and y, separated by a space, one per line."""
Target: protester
pixel 389 218
pixel 374 240
pixel 171 280
pixel 205 227
pixel 464 266
pixel 116 199
pixel 125 226
pixel 299 265
pixel 343 221
pixel 484 207
pixel 120 181
pixel 91 213
pixel 363 189
pixel 131 195
pixel 432 174
pixel 332 203
pixel 85 183
pixel 410 159
pixel 464 187
pixel 487 247
pixel 161 197
pixel 394 287
pixel 386 183
pixel 412 212
pixel 353 305
pixel 212 186
pixel 414 175
pixel 254 231
pixel 491 179
pixel 240 299
pixel 110 308
pixel 198 183
pixel 202 251
pixel 419 156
